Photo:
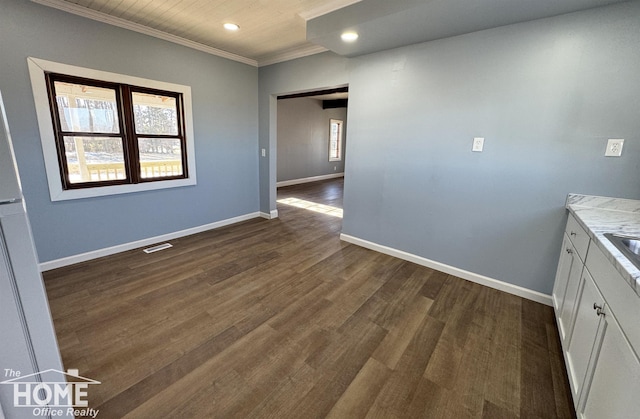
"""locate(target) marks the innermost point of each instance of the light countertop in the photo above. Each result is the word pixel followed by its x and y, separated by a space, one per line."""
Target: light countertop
pixel 599 215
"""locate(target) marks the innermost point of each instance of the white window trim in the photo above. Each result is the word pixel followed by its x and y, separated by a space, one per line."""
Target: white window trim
pixel 37 68
pixel 340 138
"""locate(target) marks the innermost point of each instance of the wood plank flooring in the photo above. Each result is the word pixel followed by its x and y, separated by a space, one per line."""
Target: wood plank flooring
pixel 280 319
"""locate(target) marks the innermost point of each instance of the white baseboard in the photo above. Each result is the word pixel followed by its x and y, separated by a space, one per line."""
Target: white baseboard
pixel 271 215
pixel 308 179
pixel 83 257
pixel 460 273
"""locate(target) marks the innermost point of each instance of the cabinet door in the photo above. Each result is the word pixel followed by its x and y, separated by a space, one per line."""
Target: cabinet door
pixel 585 332
pixel 562 275
pixel 614 391
pixel 571 287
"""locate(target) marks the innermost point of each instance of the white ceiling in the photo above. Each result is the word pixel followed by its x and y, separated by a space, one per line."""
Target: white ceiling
pixel 272 31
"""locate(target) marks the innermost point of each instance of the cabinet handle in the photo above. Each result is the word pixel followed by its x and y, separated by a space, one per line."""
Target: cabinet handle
pixel 599 310
pixel 569 250
pixel 573 233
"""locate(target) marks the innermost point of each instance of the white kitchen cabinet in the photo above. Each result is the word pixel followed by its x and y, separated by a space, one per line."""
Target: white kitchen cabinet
pixel 623 302
pixel 598 314
pixel 589 311
pixel 568 275
pixel 566 287
pixel 612 382
pixel 562 274
pixel 614 390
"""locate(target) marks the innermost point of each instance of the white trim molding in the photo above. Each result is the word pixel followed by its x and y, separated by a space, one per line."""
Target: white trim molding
pixel 291 54
pixel 460 273
pixel 270 215
pixel 83 257
pixel 308 179
pixel 37 69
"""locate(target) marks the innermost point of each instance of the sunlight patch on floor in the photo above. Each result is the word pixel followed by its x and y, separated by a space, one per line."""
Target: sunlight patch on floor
pixel 312 206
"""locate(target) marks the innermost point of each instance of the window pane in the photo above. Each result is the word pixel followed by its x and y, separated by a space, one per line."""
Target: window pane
pixel 155 114
pixel 335 140
pixel 84 108
pixel 94 159
pixel 160 157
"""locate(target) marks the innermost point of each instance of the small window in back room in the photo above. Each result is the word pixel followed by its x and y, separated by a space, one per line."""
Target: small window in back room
pixel 335 140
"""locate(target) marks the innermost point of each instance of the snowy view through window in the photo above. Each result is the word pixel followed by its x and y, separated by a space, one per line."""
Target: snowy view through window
pixel 98 152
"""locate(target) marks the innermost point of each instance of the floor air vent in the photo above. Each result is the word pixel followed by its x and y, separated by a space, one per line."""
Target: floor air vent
pixel 158 248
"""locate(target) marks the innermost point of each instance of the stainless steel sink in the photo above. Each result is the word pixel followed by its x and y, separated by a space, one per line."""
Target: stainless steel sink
pixel 628 245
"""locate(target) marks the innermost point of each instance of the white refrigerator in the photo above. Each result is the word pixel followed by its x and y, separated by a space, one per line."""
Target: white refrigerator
pixel 27 338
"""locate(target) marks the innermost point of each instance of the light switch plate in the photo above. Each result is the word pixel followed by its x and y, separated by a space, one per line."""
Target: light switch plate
pixel 478 144
pixel 614 147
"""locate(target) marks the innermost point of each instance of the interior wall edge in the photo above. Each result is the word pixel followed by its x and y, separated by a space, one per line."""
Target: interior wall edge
pixel 269 215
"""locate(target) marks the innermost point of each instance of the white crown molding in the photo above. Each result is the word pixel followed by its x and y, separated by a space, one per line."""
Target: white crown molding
pixel 115 21
pixel 327 7
pixel 291 54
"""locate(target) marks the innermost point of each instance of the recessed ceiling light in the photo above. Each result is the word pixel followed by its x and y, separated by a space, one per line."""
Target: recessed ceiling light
pixel 349 36
pixel 231 26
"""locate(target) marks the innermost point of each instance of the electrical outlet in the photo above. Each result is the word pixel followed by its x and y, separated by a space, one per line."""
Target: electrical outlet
pixel 478 144
pixel 614 148
pixel 264 152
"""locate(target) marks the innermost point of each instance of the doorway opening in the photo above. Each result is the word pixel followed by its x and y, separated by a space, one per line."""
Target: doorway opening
pixel 311 145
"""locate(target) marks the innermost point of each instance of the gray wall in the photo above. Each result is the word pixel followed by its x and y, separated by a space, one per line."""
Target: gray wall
pixel 303 139
pixel 546 95
pixel 225 124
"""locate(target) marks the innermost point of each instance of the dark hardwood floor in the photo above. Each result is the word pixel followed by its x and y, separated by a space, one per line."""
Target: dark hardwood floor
pixel 280 319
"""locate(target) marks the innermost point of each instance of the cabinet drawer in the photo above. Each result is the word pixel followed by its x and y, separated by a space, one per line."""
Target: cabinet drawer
pixel 578 237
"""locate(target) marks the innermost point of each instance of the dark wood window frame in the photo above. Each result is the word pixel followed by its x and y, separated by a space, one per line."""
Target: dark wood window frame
pixel 127 131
